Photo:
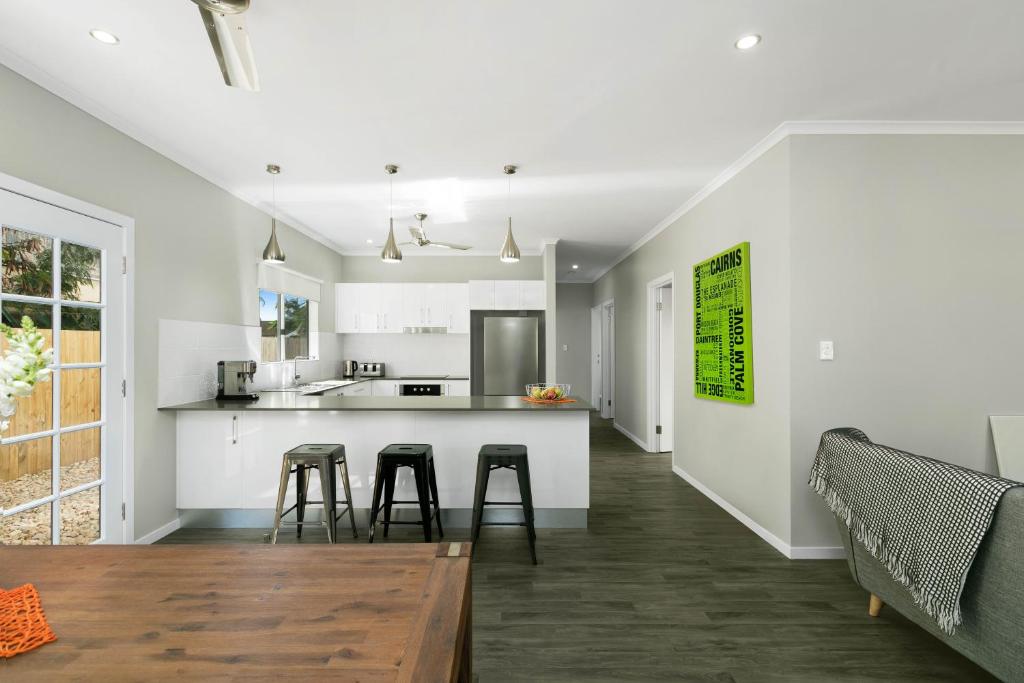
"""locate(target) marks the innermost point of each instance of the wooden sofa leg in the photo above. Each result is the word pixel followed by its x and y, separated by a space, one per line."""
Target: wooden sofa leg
pixel 875 605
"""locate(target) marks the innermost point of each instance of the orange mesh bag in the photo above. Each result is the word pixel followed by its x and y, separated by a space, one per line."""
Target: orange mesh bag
pixel 23 626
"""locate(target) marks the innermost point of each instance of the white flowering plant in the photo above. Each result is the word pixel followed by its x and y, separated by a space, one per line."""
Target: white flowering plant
pixel 26 362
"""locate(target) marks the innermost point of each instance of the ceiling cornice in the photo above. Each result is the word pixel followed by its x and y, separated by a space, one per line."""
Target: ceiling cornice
pixel 788 128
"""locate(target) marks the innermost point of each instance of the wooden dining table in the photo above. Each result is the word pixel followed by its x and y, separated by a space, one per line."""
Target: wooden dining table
pixel 247 612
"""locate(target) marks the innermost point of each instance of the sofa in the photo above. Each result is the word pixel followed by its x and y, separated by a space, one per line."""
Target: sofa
pixel 992 603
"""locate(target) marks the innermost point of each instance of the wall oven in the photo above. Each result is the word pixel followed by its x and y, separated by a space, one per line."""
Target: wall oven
pixel 421 389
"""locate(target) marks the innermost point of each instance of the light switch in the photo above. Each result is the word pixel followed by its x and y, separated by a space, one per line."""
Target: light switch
pixel 826 351
pixel 565 347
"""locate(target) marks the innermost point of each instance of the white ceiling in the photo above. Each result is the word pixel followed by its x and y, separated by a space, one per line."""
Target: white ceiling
pixel 616 111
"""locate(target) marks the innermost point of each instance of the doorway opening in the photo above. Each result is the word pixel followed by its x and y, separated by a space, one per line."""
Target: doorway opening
pixel 660 365
pixel 602 367
pixel 63 465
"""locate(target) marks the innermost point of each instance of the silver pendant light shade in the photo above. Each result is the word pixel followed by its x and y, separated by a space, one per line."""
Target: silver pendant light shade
pixel 391 253
pixel 509 249
pixel 273 253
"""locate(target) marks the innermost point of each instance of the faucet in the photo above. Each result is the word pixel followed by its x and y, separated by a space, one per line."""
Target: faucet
pixel 295 369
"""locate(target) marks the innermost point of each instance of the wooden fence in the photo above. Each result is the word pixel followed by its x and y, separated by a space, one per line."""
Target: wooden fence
pixel 79 404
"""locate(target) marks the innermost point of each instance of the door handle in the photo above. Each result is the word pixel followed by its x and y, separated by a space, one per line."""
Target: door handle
pixel 234 429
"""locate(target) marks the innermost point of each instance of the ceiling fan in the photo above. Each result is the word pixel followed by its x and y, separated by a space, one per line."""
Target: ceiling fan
pixel 420 238
pixel 225 25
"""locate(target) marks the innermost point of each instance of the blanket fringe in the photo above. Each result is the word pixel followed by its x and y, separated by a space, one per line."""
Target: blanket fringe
pixel 947 619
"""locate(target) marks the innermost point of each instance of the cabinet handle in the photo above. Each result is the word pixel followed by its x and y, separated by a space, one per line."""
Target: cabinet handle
pixel 234 429
pixel 355 321
pixel 378 322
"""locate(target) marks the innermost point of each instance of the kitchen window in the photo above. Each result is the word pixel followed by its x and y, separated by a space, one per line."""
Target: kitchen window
pixel 287 324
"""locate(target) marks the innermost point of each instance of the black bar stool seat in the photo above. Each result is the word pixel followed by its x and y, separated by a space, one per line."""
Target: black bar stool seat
pixel 323 457
pixel 419 457
pixel 497 457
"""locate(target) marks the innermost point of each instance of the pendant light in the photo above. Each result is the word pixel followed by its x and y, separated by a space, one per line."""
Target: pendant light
pixel 391 253
pixel 509 250
pixel 273 252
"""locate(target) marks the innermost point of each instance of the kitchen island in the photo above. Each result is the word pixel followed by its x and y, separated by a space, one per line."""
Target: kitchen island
pixel 229 453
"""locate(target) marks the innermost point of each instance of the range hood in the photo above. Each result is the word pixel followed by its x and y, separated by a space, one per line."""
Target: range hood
pixel 440 329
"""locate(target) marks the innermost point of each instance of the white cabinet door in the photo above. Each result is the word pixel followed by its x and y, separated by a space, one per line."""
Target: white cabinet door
pixel 358 389
pixel 346 312
pixel 458 387
pixel 210 460
pixel 457 294
pixel 413 310
pixel 435 304
pixel 507 295
pixel 368 302
pixel 383 387
pixel 533 295
pixel 390 306
pixel 481 295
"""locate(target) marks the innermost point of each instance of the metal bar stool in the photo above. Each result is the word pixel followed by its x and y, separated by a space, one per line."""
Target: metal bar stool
pixel 420 457
pixel 323 457
pixel 510 457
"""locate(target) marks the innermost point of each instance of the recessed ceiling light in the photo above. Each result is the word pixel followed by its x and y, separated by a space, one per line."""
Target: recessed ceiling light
pixel 575 266
pixel 369 241
pixel 105 37
pixel 748 41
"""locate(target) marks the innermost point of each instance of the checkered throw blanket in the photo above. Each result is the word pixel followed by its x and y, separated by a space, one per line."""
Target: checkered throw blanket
pixel 921 518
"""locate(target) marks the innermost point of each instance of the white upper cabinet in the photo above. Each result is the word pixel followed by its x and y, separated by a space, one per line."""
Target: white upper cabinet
pixel 481 295
pixel 457 295
pixel 507 295
pixel 388 307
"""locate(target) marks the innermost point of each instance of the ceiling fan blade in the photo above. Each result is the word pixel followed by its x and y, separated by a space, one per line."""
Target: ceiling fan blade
pixel 231 45
pixel 449 245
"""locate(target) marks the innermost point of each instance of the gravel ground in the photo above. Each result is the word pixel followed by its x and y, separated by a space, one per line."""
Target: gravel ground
pixel 80 513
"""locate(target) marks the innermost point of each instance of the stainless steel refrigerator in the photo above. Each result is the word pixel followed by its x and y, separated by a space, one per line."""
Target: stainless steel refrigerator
pixel 507 349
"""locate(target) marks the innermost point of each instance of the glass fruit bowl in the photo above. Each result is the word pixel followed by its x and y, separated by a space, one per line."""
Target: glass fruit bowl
pixel 547 392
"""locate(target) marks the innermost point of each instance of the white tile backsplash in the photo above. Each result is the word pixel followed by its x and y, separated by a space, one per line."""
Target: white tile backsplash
pixel 410 354
pixel 188 353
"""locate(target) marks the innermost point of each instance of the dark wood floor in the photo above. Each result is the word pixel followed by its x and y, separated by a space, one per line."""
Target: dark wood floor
pixel 664 585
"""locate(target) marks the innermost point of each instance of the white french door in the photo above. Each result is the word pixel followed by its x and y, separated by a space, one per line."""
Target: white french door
pixel 61 459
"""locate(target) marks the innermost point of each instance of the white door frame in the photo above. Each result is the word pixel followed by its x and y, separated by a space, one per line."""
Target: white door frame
pixel 62 201
pixel 602 317
pixel 654 356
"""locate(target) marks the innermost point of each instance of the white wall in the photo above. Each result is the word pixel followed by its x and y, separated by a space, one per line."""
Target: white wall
pixel 573 323
pixel 458 268
pixel 739 451
pixel 196 249
pixel 907 254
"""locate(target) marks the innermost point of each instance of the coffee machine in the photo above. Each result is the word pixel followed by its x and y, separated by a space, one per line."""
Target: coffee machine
pixel 234 380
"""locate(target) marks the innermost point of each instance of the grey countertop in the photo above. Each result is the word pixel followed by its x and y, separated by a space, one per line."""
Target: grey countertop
pixel 291 401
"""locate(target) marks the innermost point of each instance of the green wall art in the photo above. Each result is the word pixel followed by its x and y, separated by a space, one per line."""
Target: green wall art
pixel 722 336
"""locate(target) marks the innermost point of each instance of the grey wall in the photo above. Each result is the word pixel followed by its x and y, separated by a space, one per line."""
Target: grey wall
pixel 196 249
pixel 906 253
pixel 740 452
pixel 573 322
pixel 439 269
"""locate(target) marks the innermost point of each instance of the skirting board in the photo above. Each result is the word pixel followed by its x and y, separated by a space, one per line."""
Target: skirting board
pixel 631 436
pixel 793 553
pixel 157 534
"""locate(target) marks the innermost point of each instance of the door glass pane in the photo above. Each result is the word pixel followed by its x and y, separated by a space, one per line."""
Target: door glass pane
pixel 79 334
pixel 30 527
pixel 25 471
pixel 79 458
pixel 79 396
pixel 27 263
pixel 41 314
pixel 270 349
pixel 80 517
pixel 79 272
pixel 296 327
